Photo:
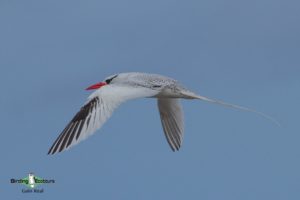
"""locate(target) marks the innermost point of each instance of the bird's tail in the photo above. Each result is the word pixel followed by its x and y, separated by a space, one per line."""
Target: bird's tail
pixel 191 95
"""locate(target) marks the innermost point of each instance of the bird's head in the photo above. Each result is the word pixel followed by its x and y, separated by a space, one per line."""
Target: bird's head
pixel 107 81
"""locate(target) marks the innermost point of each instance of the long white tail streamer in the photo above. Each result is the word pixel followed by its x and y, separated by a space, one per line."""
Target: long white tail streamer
pixel 234 106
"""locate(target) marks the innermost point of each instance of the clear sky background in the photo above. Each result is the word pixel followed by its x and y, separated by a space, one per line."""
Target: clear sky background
pixel 243 52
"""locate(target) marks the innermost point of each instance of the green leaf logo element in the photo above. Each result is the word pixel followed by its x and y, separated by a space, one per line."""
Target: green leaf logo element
pixel 32 181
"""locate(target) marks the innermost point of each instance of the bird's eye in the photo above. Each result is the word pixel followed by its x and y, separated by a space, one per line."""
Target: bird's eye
pixel 109 80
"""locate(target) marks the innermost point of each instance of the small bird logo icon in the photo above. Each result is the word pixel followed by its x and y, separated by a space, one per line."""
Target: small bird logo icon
pixel 31 180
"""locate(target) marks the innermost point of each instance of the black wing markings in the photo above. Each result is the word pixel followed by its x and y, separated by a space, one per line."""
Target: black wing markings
pixel 66 137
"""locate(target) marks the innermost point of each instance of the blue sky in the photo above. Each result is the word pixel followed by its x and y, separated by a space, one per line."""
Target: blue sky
pixel 243 52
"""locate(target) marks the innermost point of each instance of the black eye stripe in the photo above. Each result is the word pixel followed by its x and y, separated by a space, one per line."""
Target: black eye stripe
pixel 109 80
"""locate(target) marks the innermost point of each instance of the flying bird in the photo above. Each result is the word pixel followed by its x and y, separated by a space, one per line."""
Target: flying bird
pixel 122 87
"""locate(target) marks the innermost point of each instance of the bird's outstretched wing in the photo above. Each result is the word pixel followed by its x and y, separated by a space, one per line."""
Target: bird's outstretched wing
pixel 94 114
pixel 171 115
pixel 90 117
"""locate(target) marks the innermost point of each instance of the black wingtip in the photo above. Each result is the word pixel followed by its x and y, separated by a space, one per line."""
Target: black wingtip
pixel 49 152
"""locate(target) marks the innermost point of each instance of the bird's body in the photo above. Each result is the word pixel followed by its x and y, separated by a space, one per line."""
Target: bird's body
pixel 122 87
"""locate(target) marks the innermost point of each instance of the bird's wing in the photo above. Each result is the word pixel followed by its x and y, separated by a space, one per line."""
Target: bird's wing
pixel 93 115
pixel 171 115
pixel 90 117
